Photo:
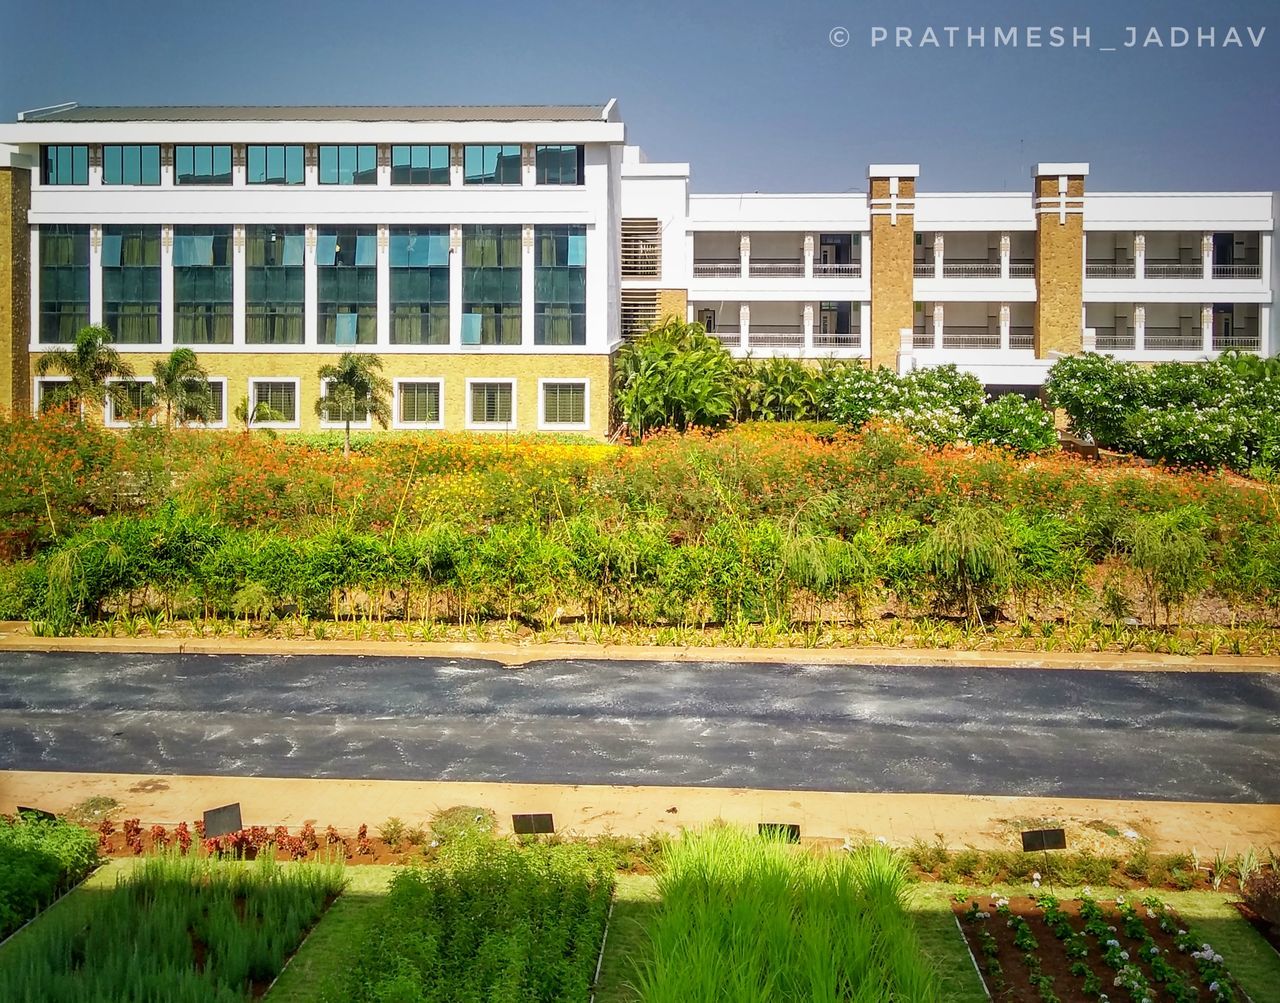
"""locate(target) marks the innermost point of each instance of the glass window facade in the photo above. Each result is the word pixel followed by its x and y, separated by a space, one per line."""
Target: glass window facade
pixel 131 165
pixel 275 285
pixel 491 290
pixel 348 165
pixel 419 165
pixel 420 403
pixel 491 165
pixel 131 283
pixel 279 395
pixel 560 285
pixel 558 165
pixel 275 165
pixel 202 299
pixel 347 267
pixel 420 285
pixel 64 282
pixel 491 403
pixel 64 165
pixel 564 403
pixel 202 165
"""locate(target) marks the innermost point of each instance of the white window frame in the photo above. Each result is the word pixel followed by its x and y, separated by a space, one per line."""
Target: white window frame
pixel 325 423
pixel 39 381
pixel 221 381
pixel 494 426
pixel 395 417
pixel 109 418
pixel 297 397
pixel 575 426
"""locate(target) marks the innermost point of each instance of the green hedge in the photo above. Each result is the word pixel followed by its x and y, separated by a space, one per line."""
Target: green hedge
pixel 39 859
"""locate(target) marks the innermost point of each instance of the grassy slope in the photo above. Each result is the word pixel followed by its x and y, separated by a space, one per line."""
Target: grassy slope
pixel 634 899
pixel 941 940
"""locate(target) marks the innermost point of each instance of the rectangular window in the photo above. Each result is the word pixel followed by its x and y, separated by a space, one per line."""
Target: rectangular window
pixel 558 165
pixel 419 285
pixel 64 282
pixel 202 165
pixel 560 285
pixel 64 165
pixel 491 285
pixel 491 403
pixel 280 397
pixel 275 285
pixel 217 414
pixel 275 165
pixel 419 402
pixel 337 417
pixel 491 165
pixel 131 165
pixel 346 263
pixel 53 393
pixel 419 165
pixel 130 401
pixel 202 299
pixel 564 403
pixel 131 283
pixel 348 165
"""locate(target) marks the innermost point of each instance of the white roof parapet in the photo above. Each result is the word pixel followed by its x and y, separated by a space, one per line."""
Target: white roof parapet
pixel 893 170
pixel 1056 170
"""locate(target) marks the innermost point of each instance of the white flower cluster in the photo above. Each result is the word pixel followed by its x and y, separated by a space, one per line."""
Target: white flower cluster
pixel 1206 953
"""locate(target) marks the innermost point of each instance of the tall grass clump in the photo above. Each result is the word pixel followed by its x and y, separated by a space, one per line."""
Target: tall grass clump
pixel 179 929
pixel 749 919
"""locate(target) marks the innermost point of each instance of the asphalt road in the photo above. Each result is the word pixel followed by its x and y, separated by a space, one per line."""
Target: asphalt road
pixel 1177 736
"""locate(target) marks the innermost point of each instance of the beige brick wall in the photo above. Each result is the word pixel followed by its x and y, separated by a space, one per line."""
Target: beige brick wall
pixel 892 251
pixel 15 285
pixel 1059 268
pixel 673 303
pixel 238 368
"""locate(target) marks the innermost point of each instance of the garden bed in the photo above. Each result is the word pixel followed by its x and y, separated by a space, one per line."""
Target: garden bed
pixel 1086 949
pixel 39 860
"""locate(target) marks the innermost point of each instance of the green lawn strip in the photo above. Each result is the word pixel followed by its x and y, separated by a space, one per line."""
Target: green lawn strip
pixel 1251 960
pixel 634 899
pixel 941 940
pixel 316 971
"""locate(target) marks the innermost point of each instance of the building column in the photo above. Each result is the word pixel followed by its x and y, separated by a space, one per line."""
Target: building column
pixel 384 285
pixel 864 327
pixel 455 286
pixel 808 255
pixel 1005 245
pixel 744 326
pixel 808 327
pixel 311 291
pixel 239 297
pixel 166 286
pixel 95 274
pixel 937 325
pixel 1139 328
pixel 939 253
pixel 744 255
pixel 1206 255
pixel 526 285
pixel 1139 255
pixel 1004 327
pixel 891 204
pixel 19 263
pixel 1206 327
pixel 1059 209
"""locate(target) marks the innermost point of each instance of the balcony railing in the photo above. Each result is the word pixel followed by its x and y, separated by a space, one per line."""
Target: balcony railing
pixel 828 342
pixel 922 338
pixel 1022 269
pixel 1164 270
pixel 970 337
pixel 1237 271
pixel 776 336
pixel 1109 270
pixel 923 270
pixel 1111 339
pixel 1248 341
pixel 1172 339
pixel 776 269
pixel 718 269
pixel 1022 338
pixel 730 337
pixel 850 270
pixel 971 269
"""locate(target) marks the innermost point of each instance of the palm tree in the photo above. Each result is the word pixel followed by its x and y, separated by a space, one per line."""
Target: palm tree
pixel 88 365
pixel 356 387
pixel 183 386
pixel 262 411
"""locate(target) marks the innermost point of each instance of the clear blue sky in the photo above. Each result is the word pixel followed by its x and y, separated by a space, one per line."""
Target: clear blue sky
pixel 752 92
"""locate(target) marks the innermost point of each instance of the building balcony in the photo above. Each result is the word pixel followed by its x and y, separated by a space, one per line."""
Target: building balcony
pixel 776 268
pixel 851 270
pixel 1237 271
pixel 785 340
pixel 970 269
pixel 958 338
pixel 717 268
pixel 1169 270
pixel 1109 270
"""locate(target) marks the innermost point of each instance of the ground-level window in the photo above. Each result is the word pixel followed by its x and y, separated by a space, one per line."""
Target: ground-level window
pixel 130 401
pixel 337 414
pixel 53 393
pixel 277 398
pixel 564 402
pixel 491 402
pixel 217 413
pixel 418 402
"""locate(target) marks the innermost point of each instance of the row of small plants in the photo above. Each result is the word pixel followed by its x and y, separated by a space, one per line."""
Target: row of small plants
pixel 1112 950
pixel 184 929
pixel 39 860
pixel 748 919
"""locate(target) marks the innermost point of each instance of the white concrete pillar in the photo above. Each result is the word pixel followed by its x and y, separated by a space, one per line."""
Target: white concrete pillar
pixel 455 286
pixel 166 285
pixel 526 285
pixel 311 291
pixel 744 326
pixel 1140 328
pixel 1004 327
pixel 95 274
pixel 1089 341
pixel 906 349
pixel 808 325
pixel 938 252
pixel 528 166
pixel 1005 244
pixel 1206 327
pixel 808 255
pixel 1265 250
pixel 688 251
pixel 1206 255
pixel 239 297
pixel 864 326
pixel 744 255
pixel 937 325
pixel 457 172
pixel 1139 255
pixel 384 285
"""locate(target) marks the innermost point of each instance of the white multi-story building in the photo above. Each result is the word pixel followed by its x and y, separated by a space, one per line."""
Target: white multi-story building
pixel 495 258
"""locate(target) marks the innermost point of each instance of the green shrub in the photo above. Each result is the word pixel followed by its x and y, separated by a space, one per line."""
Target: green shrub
pixel 1014 423
pixel 967 557
pixel 1169 552
pixel 673 376
pixel 39 859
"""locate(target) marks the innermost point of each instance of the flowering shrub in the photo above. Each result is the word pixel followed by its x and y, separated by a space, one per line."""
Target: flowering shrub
pixel 1017 424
